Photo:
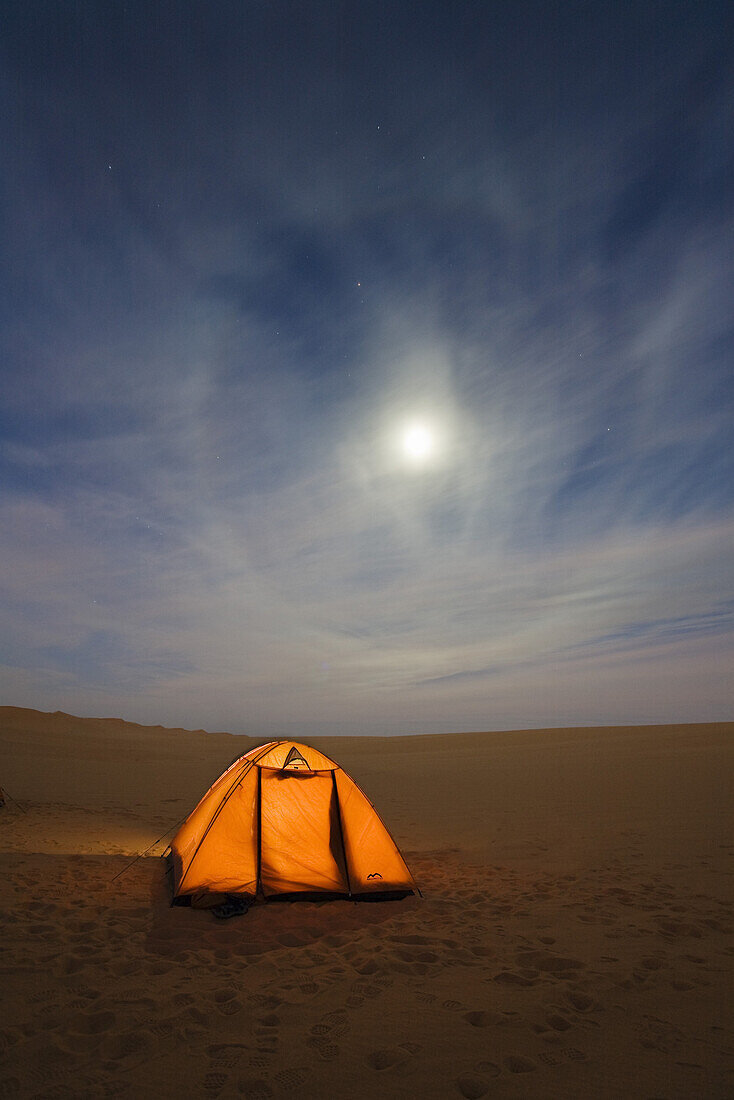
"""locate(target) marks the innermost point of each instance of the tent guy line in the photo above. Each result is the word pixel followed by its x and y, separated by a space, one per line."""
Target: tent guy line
pixel 5 793
pixel 141 854
pixel 162 836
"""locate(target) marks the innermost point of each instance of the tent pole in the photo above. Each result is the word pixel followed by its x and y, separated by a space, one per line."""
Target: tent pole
pixel 258 881
pixel 341 831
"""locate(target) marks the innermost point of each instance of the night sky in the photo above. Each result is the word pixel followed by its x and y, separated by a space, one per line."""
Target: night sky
pixel 367 367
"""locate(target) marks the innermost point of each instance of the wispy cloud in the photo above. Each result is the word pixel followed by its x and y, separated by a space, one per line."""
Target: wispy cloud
pixel 228 299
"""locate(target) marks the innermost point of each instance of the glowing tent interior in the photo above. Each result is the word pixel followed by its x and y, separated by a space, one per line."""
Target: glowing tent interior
pixel 285 820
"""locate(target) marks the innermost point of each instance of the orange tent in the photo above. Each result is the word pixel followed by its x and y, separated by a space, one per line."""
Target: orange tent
pixel 286 820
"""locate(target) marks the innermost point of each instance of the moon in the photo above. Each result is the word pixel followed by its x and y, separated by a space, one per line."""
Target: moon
pixel 418 442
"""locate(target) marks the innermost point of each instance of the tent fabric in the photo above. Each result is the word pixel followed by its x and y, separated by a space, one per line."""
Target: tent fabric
pixel 285 819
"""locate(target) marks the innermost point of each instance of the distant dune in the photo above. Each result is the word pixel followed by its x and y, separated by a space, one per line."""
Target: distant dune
pixel 59 722
pixel 575 938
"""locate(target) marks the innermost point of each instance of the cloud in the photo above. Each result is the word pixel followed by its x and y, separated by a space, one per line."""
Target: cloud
pixel 213 345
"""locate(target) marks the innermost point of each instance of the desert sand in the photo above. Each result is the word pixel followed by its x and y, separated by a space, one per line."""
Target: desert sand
pixel 574 938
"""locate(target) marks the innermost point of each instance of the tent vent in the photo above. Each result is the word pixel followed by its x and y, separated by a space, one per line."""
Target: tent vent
pixel 295 762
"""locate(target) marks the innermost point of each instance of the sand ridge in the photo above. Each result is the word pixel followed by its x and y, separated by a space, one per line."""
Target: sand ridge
pixel 586 953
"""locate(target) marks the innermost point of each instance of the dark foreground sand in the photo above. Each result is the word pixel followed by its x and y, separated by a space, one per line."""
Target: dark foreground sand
pixel 575 938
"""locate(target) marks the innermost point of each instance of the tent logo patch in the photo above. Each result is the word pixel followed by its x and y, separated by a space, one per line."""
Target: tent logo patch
pixel 376 874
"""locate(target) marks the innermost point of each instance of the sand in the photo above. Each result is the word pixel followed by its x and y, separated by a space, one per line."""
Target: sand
pixel 574 938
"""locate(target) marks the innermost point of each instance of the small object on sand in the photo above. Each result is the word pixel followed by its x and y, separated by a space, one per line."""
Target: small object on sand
pixel 232 907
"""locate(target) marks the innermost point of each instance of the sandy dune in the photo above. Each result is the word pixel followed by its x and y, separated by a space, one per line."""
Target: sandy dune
pixel 575 938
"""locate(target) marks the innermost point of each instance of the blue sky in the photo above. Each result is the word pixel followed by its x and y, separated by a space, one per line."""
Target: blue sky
pixel 246 246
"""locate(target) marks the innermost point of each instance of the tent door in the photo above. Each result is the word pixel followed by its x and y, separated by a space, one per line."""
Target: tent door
pixel 300 839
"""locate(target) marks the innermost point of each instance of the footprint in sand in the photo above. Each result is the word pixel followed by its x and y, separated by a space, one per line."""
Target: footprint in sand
pixel 225 1056
pixel 333 1025
pixel 657 1034
pixel 558 1022
pixel 227 1001
pixel 477 930
pixel 413 960
pixel 324 1048
pixel 488 1069
pixel 265 1001
pixel 301 988
pixel 364 988
pixel 548 962
pixel 393 1058
pixel 513 977
pixel 366 966
pixel 43 996
pixel 482 1019
pixel 673 929
pixel 290 1078
pixel 52 1080
pixel 128 1049
pixel 472 1088
pixel 550 1059
pixel 214 1082
pixel 196 1018
pixel 516 1063
pixel 8 1038
pixel 261 1060
pixel 254 1088
pixel 411 1048
pixel 164 1028
pixel 266 1031
pixel 580 1002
